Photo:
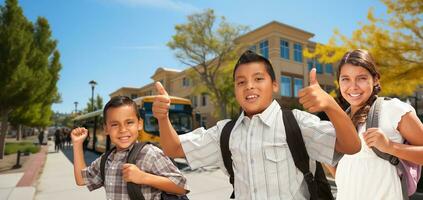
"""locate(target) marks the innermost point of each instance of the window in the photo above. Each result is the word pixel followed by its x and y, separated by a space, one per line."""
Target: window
pixel 194 101
pixel 284 47
pixel 264 48
pixel 298 52
pixel 310 64
pixel 253 48
pixel 319 68
pixel 203 99
pixel 329 68
pixel 134 96
pixel 286 86
pixel 298 84
pixel 185 82
pixel 148 93
pixel 203 121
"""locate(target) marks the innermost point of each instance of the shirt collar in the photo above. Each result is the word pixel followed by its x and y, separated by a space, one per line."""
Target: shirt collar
pixel 125 152
pixel 266 116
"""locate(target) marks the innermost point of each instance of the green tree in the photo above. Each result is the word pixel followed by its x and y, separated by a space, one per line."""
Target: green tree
pixel 29 64
pixel 206 49
pixel 395 43
pixel 98 104
pixel 47 59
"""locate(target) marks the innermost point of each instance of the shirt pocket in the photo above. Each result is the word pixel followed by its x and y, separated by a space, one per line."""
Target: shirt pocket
pixel 275 156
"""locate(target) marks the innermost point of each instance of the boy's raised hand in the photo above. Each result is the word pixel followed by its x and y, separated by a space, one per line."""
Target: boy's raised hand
pixel 78 135
pixel 161 103
pixel 313 97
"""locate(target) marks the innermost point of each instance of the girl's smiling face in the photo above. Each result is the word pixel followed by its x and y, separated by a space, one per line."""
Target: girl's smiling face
pixel 356 85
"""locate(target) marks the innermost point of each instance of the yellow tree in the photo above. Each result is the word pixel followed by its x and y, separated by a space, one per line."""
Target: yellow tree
pixel 396 43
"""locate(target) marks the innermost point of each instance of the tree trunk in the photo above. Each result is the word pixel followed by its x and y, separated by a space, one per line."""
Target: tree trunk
pixel 223 112
pixel 19 133
pixel 3 131
pixel 222 103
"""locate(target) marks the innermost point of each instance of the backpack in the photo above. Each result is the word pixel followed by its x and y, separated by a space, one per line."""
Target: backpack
pixel 318 185
pixel 409 172
pixel 134 190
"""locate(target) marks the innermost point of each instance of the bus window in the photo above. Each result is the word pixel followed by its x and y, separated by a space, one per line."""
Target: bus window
pixel 181 122
pixel 150 124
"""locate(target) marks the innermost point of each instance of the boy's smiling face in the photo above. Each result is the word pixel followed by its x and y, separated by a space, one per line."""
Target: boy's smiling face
pixel 122 126
pixel 254 88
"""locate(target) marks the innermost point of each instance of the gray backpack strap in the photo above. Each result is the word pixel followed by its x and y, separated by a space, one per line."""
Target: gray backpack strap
pixel 373 122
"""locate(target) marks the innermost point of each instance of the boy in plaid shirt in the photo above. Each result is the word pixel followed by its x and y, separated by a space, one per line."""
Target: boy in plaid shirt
pixel 153 171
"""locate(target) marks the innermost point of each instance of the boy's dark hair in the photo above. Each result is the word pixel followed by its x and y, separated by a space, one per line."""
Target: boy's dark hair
pixel 250 57
pixel 119 101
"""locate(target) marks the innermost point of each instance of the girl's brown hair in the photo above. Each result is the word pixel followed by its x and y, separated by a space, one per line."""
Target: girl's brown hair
pixel 361 58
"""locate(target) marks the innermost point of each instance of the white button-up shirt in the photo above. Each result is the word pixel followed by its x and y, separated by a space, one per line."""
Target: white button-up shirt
pixel 263 165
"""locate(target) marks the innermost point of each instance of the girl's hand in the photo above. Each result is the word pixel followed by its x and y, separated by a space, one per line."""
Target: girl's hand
pixel 374 137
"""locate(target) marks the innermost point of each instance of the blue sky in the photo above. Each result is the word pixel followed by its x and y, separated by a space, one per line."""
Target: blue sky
pixel 121 43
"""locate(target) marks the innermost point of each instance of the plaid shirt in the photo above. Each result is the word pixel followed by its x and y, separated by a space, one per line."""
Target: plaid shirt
pixel 151 160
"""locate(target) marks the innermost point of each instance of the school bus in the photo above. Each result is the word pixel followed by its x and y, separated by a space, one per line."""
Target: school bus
pixel 180 115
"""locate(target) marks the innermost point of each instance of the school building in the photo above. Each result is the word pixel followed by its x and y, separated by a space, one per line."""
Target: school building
pixel 280 43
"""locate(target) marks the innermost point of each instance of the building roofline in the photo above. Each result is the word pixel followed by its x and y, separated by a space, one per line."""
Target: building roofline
pixel 278 23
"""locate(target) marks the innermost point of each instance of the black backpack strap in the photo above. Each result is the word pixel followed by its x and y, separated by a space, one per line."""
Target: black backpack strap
pixel 298 150
pixel 103 163
pixel 134 190
pixel 226 153
pixel 372 121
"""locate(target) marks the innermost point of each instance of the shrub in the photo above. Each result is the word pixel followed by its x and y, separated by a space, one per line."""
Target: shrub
pixel 13 147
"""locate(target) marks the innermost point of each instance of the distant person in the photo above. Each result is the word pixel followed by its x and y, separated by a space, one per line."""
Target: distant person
pixel 41 137
pixel 68 138
pixel 153 171
pixel 57 140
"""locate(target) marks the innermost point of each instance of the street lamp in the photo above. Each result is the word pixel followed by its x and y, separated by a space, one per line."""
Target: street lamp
pixel 76 106
pixel 93 84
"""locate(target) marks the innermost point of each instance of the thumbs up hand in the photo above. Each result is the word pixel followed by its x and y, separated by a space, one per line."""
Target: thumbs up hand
pixel 161 103
pixel 312 77
pixel 313 97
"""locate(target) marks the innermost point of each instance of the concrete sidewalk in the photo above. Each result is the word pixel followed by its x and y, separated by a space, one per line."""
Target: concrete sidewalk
pixel 57 180
pixel 21 185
